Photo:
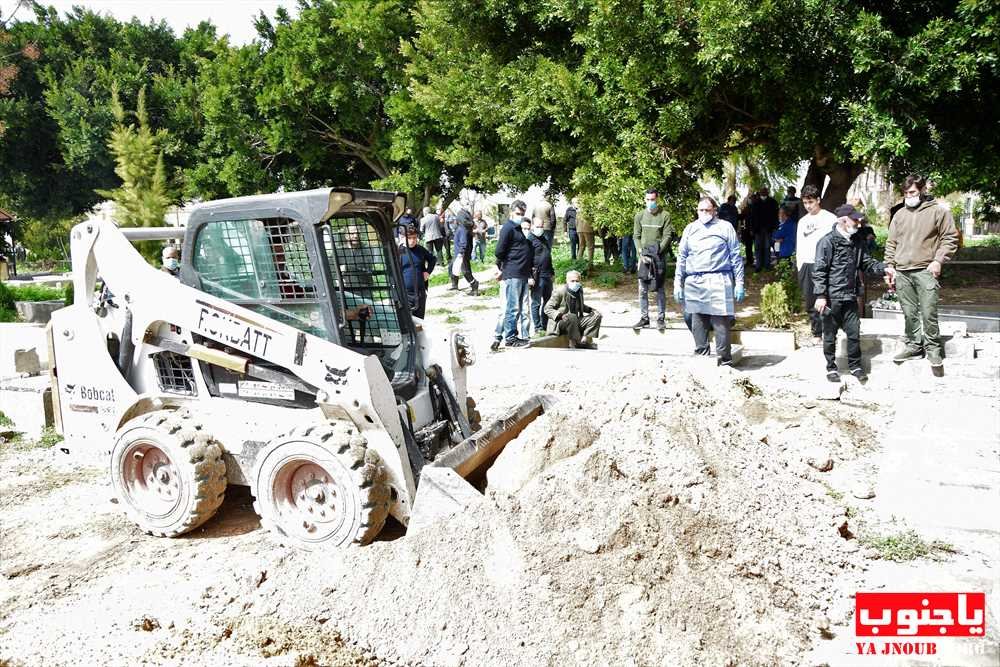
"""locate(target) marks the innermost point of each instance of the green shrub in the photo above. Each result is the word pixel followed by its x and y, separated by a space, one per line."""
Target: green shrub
pixel 68 294
pixel 36 293
pixel 788 276
pixel 774 306
pixel 6 298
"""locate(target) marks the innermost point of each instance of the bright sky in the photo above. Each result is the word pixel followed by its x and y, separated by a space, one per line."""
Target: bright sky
pixel 234 17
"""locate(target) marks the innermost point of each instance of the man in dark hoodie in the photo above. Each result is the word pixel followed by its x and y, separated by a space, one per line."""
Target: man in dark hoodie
pixel 922 238
pixel 839 256
pixel 515 258
pixel 461 264
pixel 541 275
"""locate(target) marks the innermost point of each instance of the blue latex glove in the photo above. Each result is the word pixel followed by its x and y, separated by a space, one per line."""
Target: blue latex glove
pixel 679 294
pixel 740 294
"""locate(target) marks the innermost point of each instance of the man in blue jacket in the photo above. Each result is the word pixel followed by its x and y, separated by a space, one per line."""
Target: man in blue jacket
pixel 462 262
pixel 515 259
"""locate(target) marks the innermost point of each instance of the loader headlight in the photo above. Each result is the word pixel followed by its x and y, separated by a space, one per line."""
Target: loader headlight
pixel 464 352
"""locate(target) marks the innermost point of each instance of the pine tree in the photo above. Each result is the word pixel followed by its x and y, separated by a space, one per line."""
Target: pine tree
pixel 144 196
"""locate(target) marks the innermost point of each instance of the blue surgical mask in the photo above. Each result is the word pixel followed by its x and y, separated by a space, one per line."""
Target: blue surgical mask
pixel 517 218
pixel 171 264
pixel 538 231
pixel 651 205
pixel 573 287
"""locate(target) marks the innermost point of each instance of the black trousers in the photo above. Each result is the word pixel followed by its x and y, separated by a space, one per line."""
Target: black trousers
pixel 437 247
pixel 806 287
pixel 574 243
pixel 842 315
pixel 721 324
pixel 747 249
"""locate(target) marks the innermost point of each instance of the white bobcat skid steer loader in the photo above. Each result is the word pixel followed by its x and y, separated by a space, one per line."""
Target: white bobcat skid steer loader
pixel 284 358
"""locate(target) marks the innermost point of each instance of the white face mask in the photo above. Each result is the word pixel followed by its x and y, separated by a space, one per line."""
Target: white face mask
pixel 517 218
pixel 171 264
pixel 537 231
pixel 573 286
pixel 912 202
pixel 704 217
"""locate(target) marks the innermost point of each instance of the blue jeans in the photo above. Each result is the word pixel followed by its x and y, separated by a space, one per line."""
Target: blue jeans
pixel 629 259
pixel 515 290
pixel 479 249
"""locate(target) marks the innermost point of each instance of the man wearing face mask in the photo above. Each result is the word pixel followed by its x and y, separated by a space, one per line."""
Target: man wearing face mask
pixel 709 279
pixel 171 260
pixel 515 258
pixel 542 273
pixel 922 237
pixel 652 235
pixel 839 255
pixel 569 316
pixel 461 264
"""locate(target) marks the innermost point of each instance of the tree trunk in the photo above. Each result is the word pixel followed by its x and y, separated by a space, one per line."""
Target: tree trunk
pixel 842 176
pixel 815 176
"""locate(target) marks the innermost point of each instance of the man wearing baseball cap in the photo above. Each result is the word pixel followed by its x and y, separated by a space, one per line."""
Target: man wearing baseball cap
pixel 839 255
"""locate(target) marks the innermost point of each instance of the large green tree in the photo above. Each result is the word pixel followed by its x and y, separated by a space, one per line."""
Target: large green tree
pixel 610 97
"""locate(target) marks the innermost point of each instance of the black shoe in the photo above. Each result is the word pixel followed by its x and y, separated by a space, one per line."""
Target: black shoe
pixel 937 370
pixel 661 325
pixel 833 376
pixel 860 374
pixel 643 322
pixel 475 290
pixel 724 362
pixel 494 346
pixel 517 342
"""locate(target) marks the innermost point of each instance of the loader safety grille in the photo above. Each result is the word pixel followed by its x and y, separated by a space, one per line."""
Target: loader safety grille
pixel 362 273
pixel 255 259
pixel 174 373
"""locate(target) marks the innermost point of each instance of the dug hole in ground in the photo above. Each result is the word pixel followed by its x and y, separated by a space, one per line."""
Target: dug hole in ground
pixel 663 512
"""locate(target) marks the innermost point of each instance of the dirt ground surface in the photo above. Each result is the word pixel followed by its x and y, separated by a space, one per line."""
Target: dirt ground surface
pixel 663 512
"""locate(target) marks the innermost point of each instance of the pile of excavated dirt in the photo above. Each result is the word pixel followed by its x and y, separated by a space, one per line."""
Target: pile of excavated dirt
pixel 650 525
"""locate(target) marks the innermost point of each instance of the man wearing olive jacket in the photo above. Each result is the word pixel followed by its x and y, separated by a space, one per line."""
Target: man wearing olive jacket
pixel 922 237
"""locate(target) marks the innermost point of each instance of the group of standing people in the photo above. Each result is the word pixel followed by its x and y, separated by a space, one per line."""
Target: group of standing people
pixel 528 299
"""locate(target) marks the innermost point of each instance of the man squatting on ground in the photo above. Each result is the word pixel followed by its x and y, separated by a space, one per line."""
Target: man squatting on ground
pixel 839 255
pixel 709 279
pixel 922 237
pixel 569 316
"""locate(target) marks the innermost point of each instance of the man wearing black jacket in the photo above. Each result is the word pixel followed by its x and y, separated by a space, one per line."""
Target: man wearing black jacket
pixel 839 255
pixel 417 263
pixel 763 221
pixel 515 259
pixel 541 276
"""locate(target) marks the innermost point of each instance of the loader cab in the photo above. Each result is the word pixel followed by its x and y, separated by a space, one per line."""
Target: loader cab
pixel 321 261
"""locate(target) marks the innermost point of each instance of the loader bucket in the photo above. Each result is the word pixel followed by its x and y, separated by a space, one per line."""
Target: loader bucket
pixel 443 489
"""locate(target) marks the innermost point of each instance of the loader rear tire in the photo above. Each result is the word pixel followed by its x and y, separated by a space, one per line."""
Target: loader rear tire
pixel 320 487
pixel 167 472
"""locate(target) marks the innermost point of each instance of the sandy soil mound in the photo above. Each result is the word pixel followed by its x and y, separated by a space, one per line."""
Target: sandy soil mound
pixel 665 532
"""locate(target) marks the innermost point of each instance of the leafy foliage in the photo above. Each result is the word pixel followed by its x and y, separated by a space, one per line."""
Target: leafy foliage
pixel 774 306
pixel 787 275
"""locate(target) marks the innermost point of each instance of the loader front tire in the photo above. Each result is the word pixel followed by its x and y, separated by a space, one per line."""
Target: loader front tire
pixel 167 472
pixel 321 487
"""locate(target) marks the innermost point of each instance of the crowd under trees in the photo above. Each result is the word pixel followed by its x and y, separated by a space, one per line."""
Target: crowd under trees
pixel 598 99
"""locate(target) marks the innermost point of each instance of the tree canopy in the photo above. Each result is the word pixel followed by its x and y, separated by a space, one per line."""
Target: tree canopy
pixel 601 99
